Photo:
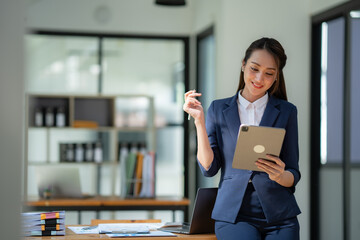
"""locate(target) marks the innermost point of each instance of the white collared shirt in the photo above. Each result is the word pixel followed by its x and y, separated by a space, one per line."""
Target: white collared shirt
pixel 251 113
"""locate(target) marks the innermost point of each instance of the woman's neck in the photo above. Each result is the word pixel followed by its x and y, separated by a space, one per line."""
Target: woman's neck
pixel 251 98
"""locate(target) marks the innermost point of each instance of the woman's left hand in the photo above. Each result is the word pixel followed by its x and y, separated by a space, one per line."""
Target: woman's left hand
pixel 275 167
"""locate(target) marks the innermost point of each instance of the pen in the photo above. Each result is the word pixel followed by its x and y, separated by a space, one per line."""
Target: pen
pixel 189 116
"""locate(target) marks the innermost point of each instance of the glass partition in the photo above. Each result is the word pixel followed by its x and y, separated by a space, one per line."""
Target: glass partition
pixel 151 67
pixel 89 65
pixel 332 90
pixel 62 64
pixel 156 68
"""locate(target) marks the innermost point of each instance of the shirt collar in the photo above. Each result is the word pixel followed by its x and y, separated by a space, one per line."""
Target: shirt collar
pixel 257 104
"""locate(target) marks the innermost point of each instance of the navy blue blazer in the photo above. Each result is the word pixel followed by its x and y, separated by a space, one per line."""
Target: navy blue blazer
pixel 222 126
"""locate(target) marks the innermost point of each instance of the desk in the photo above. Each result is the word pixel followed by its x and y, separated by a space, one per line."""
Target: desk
pixel 71 235
pixel 109 204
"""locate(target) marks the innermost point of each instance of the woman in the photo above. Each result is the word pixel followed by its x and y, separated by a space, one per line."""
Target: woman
pixel 251 204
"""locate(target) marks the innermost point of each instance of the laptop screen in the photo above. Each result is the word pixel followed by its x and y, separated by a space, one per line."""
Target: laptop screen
pixel 201 221
pixel 61 182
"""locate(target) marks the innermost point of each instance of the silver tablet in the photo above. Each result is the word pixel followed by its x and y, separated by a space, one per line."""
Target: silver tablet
pixel 255 142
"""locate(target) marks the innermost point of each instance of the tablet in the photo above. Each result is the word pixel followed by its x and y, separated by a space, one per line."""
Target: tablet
pixel 255 142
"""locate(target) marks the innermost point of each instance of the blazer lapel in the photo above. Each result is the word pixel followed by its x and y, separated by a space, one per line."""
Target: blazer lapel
pixel 231 115
pixel 271 112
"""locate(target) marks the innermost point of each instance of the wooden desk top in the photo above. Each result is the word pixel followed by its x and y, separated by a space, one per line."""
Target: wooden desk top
pixel 64 202
pixel 113 201
pixel 109 201
pixel 71 235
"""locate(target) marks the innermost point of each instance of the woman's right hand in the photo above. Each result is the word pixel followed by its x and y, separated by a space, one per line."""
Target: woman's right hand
pixel 193 106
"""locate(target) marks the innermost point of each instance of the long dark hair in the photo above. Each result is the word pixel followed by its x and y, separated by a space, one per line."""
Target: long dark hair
pixel 271 45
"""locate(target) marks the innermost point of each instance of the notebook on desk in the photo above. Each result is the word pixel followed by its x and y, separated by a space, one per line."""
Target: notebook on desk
pixel 201 221
pixel 62 182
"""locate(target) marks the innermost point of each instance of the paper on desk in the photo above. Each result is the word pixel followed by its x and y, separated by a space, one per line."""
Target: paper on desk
pixel 85 230
pixel 128 227
pixel 172 224
pixel 150 234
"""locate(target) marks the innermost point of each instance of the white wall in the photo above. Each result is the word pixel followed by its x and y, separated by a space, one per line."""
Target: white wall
pixel 119 16
pixel 317 6
pixel 237 23
pixel 11 119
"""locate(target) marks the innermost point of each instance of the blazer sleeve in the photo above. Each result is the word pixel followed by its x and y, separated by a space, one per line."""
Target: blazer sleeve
pixel 211 129
pixel 290 149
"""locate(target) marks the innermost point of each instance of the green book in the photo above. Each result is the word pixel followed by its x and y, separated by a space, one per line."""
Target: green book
pixel 130 169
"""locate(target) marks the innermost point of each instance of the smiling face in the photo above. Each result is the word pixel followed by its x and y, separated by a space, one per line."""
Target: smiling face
pixel 260 72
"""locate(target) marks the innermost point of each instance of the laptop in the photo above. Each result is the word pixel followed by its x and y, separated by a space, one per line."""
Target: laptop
pixel 201 221
pixel 255 142
pixel 62 182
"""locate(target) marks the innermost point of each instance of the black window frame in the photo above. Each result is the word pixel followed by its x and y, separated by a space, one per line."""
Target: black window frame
pixel 184 39
pixel 342 10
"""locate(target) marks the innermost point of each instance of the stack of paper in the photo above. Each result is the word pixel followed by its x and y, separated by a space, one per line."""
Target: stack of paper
pixel 116 230
pixel 150 234
pixel 124 228
pixel 43 223
pixel 133 230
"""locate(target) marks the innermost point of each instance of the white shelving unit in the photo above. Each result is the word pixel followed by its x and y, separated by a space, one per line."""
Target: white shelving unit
pixel 109 120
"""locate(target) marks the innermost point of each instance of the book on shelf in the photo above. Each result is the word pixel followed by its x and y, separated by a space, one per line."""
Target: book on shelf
pixel 141 177
pixel 148 176
pixel 138 174
pixel 85 124
pixel 130 167
pixel 43 223
pixel 137 171
pixel 123 155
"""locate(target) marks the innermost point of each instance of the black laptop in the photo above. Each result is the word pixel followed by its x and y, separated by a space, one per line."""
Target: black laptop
pixel 201 221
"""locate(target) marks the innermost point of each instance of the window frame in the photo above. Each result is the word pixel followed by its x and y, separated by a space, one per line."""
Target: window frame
pixel 101 36
pixel 342 10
